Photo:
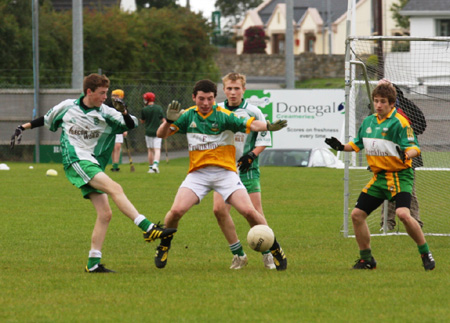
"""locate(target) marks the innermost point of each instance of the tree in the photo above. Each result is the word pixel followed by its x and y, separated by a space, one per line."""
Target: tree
pixel 142 4
pixel 254 40
pixel 401 21
pixel 235 10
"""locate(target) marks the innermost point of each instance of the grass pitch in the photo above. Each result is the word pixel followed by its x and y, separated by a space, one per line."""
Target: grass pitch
pixel 45 238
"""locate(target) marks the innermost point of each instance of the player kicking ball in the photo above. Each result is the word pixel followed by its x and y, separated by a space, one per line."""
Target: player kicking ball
pixel 87 139
pixel 389 144
pixel 210 132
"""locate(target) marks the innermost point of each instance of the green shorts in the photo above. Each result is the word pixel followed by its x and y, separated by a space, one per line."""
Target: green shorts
pixel 251 184
pixel 385 185
pixel 80 173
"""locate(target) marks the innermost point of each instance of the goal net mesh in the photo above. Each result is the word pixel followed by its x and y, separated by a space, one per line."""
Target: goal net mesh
pixel 421 69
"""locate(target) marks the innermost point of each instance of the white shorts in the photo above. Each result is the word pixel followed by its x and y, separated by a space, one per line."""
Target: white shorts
pixel 153 142
pixel 221 180
pixel 119 139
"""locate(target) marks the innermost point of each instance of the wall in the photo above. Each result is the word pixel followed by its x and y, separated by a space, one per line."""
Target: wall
pixel 307 65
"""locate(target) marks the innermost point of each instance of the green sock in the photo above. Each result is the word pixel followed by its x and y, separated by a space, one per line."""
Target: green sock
pixel 115 165
pixel 236 249
pixel 366 254
pixel 265 252
pixel 424 248
pixel 156 163
pixel 93 261
pixel 144 225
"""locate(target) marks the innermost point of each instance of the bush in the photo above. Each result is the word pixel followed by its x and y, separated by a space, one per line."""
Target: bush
pixel 254 40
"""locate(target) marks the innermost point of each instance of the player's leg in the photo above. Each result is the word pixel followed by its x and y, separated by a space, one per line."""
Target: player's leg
pixel 104 214
pixel 255 197
pixel 240 200
pixel 184 200
pixel 364 206
pixel 156 153
pixel 148 143
pixel 116 153
pixel 414 209
pixel 102 182
pixel 222 213
pixel 403 201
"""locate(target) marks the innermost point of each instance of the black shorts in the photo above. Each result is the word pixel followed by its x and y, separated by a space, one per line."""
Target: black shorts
pixel 369 203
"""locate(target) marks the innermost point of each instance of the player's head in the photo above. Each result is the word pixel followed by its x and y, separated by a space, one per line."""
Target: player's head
pixel 94 81
pixel 385 90
pixel 95 89
pixel 204 95
pixel 118 94
pixel 234 88
pixel 384 99
pixel 148 97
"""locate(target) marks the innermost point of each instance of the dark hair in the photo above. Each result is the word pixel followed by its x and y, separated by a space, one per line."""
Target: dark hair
pixel 206 86
pixel 94 81
pixel 385 90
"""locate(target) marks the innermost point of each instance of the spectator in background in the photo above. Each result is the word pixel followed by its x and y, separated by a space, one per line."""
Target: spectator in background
pixel 152 115
pixel 416 119
pixel 117 94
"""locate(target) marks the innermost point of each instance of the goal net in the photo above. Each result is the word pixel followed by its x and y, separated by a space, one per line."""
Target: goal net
pixel 420 67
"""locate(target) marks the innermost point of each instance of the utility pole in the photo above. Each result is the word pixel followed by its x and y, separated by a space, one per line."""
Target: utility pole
pixel 77 44
pixel 289 52
pixel 35 21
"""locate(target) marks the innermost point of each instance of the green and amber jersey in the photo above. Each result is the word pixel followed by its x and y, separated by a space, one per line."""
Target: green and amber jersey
pixel 380 138
pixel 211 136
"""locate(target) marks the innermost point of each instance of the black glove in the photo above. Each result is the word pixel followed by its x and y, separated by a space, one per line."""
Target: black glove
pixel 401 153
pixel 334 143
pixel 17 134
pixel 246 161
pixel 119 105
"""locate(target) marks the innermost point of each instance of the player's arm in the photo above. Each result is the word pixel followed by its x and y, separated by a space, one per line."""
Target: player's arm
pixel 17 135
pixel 246 160
pixel 258 125
pixel 164 130
pixel 337 145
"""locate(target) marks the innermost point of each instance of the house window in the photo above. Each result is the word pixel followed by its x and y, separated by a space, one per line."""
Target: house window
pixel 443 27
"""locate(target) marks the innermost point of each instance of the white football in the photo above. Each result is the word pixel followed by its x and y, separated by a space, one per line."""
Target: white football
pixel 260 237
pixel 51 172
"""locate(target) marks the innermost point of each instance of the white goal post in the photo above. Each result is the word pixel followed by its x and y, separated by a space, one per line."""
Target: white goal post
pixel 420 67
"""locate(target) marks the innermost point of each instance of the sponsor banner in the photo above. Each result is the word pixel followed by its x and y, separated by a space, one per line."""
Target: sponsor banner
pixel 312 115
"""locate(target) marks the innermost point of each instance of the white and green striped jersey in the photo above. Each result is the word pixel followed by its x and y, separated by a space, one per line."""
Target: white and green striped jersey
pixel 246 142
pixel 87 134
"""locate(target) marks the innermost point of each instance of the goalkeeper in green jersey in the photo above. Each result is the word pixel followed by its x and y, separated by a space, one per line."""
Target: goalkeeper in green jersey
pixel 390 144
pixel 89 128
pixel 248 147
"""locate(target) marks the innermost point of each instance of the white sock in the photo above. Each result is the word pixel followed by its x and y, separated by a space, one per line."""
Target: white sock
pixel 139 219
pixel 95 253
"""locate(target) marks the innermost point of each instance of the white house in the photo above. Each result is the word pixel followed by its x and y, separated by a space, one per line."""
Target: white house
pixel 312 28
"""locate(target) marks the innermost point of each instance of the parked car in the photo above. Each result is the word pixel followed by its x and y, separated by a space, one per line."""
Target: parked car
pixel 314 157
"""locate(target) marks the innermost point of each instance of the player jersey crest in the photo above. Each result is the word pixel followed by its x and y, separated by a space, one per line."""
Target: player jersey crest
pixel 193 125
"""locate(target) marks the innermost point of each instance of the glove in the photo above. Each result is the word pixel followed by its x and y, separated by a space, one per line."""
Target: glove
pixel 17 134
pixel 246 161
pixel 174 111
pixel 334 143
pixel 119 105
pixel 401 153
pixel 277 125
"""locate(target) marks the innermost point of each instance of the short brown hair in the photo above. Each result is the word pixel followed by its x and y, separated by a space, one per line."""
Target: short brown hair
pixel 206 86
pixel 94 81
pixel 385 90
pixel 234 77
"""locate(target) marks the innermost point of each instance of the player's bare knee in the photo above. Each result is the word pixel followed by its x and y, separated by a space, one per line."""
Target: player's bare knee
pixel 105 216
pixel 358 216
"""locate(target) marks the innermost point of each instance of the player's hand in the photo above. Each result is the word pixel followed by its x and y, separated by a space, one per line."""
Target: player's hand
pixel 246 161
pixel 17 134
pixel 402 154
pixel 334 143
pixel 174 111
pixel 119 105
pixel 277 125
